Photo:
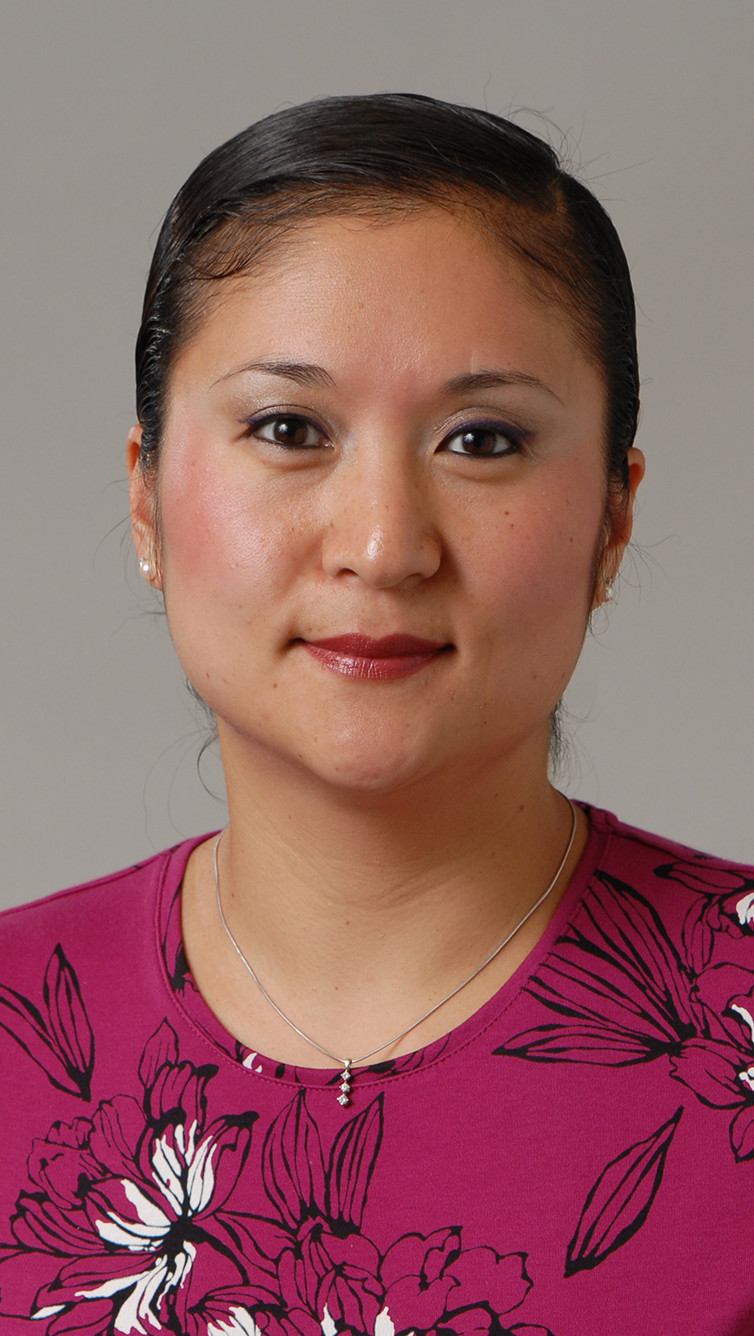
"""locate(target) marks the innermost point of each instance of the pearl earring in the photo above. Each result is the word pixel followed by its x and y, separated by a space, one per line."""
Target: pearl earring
pixel 146 568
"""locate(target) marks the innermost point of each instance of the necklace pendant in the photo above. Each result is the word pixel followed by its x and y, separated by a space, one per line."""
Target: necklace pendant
pixel 344 1098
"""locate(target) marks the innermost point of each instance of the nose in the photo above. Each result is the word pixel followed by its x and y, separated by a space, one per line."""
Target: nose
pixel 379 525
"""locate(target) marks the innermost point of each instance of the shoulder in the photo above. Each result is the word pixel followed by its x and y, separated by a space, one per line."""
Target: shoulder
pixel 98 915
pixel 668 891
pixel 631 848
pixel 602 820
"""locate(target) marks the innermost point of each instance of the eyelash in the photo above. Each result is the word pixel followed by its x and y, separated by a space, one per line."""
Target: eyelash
pixel 255 426
pixel 513 437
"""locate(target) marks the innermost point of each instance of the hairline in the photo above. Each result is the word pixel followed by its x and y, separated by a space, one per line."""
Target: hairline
pixel 379 207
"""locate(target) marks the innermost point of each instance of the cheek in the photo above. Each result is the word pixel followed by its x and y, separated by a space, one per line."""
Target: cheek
pixel 213 532
pixel 538 566
pixel 570 558
pixel 558 548
pixel 226 558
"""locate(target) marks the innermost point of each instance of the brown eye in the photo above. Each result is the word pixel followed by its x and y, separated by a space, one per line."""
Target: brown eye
pixel 297 433
pixel 290 431
pixel 483 442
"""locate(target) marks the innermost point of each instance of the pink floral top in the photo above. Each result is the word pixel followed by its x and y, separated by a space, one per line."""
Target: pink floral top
pixel 577 1158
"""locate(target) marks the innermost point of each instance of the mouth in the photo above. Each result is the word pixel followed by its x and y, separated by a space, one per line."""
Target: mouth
pixel 383 660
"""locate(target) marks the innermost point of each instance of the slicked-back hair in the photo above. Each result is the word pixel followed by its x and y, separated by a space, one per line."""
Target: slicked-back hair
pixel 380 156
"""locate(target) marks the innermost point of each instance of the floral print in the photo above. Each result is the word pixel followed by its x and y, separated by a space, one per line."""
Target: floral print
pixel 120 1209
pixel 57 1037
pixel 165 1210
pixel 129 1226
pixel 619 1202
pixel 624 994
pixel 313 1248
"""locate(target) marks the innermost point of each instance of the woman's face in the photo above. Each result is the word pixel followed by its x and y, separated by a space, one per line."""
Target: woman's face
pixel 382 506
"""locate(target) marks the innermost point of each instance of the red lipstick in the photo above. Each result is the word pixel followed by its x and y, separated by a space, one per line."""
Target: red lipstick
pixel 382 660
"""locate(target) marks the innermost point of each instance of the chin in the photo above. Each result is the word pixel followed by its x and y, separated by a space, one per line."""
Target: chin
pixel 369 777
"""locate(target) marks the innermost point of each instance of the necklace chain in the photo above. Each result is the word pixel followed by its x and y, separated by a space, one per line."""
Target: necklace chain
pixel 348 1064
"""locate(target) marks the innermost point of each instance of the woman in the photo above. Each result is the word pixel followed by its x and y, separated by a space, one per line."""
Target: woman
pixel 415 1044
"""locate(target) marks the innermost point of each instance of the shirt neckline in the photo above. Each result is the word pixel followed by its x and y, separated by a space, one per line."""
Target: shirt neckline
pixel 195 1011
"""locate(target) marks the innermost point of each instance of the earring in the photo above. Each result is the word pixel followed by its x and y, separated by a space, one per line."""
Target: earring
pixel 609 588
pixel 146 567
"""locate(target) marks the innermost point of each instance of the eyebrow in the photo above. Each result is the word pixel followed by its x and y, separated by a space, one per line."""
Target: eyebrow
pixel 303 373
pixel 308 373
pixel 490 380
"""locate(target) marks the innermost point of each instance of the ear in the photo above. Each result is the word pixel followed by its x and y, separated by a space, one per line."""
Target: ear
pixel 142 499
pixel 620 536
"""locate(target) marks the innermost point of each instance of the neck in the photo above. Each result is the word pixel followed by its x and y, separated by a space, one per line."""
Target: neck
pixel 360 914
pixel 337 882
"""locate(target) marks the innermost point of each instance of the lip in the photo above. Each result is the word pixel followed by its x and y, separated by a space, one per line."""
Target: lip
pixel 383 660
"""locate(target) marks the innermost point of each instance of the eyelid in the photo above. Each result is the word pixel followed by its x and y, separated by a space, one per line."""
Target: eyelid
pixel 516 436
pixel 255 421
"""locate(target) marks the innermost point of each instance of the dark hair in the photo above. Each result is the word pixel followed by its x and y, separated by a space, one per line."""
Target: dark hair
pixel 376 155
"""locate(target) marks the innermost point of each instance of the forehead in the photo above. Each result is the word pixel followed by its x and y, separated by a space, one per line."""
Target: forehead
pixel 429 293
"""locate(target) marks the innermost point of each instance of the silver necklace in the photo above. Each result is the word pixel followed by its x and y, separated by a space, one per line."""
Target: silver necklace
pixel 348 1064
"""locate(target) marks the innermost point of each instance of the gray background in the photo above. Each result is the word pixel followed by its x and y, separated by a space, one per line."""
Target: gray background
pixel 105 108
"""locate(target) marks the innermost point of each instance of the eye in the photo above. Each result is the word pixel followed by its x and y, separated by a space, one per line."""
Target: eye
pixel 484 440
pixel 286 429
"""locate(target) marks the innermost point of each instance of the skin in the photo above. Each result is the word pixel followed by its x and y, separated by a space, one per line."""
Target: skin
pixel 384 834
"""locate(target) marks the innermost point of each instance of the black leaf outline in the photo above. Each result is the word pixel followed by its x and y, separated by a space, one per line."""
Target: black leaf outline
pixel 293 1165
pixel 697 936
pixel 616 978
pixel 708 880
pixel 623 929
pixel 60 1040
pixel 174 957
pixel 619 1202
pixel 742 1134
pixel 353 1160
pixel 160 1049
pixel 578 1043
